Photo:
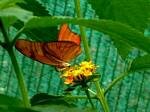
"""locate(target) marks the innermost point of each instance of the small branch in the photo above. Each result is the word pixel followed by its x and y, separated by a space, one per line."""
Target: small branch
pixel 116 80
pixel 6 37
pixel 92 92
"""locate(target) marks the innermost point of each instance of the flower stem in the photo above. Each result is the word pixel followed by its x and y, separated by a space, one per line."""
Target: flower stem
pixel 83 35
pixel 89 98
pixel 79 97
pixel 17 70
pixel 101 97
pixel 100 92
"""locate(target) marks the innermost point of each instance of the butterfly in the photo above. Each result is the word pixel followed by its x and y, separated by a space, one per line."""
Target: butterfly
pixel 56 53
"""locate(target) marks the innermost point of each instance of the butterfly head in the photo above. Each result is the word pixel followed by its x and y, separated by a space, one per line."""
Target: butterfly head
pixel 63 66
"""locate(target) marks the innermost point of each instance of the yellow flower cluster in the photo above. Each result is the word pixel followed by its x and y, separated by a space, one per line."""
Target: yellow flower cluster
pixel 77 72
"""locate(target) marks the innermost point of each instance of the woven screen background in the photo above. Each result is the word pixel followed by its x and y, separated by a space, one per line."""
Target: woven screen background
pixel 130 95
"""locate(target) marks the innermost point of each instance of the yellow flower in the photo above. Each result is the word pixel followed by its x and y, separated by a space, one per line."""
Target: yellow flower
pixel 77 72
pixel 69 80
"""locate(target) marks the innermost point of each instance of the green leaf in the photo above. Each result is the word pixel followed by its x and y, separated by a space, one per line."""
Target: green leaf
pixel 8 3
pixel 8 21
pixel 123 48
pixel 141 63
pixel 38 34
pixel 119 33
pixel 9 12
pixel 21 14
pixel 132 12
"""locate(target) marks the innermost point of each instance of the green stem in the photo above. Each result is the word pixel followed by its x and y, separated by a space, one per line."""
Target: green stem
pixel 100 92
pixel 101 97
pixel 17 70
pixel 17 35
pixel 120 77
pixel 92 92
pixel 20 78
pixel 89 97
pixel 83 35
pixel 79 97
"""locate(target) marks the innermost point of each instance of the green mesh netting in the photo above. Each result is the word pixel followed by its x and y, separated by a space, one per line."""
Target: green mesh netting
pixel 130 95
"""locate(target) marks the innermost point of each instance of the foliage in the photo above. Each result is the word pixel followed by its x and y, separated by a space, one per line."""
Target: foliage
pixel 131 12
pixel 141 63
pixel 123 20
pixel 134 13
pixel 39 34
pixel 50 103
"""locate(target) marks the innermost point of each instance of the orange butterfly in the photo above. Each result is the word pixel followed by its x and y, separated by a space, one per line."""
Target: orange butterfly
pixel 53 53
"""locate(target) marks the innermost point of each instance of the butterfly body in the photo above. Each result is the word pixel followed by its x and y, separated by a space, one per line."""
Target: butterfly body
pixel 57 53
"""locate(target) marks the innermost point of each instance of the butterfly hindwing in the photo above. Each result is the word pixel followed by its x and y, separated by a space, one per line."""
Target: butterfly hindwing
pixel 52 53
pixel 35 50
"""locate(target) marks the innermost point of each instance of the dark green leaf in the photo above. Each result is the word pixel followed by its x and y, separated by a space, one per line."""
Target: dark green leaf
pixel 62 108
pixel 9 101
pixel 41 34
pixel 141 63
pixel 120 33
pixel 131 12
pixel 44 98
pixel 93 78
pixel 123 48
pixel 35 7
pixel 12 104
pixel 16 109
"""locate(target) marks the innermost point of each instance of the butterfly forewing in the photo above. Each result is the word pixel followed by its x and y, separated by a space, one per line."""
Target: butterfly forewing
pixel 63 50
pixel 65 34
